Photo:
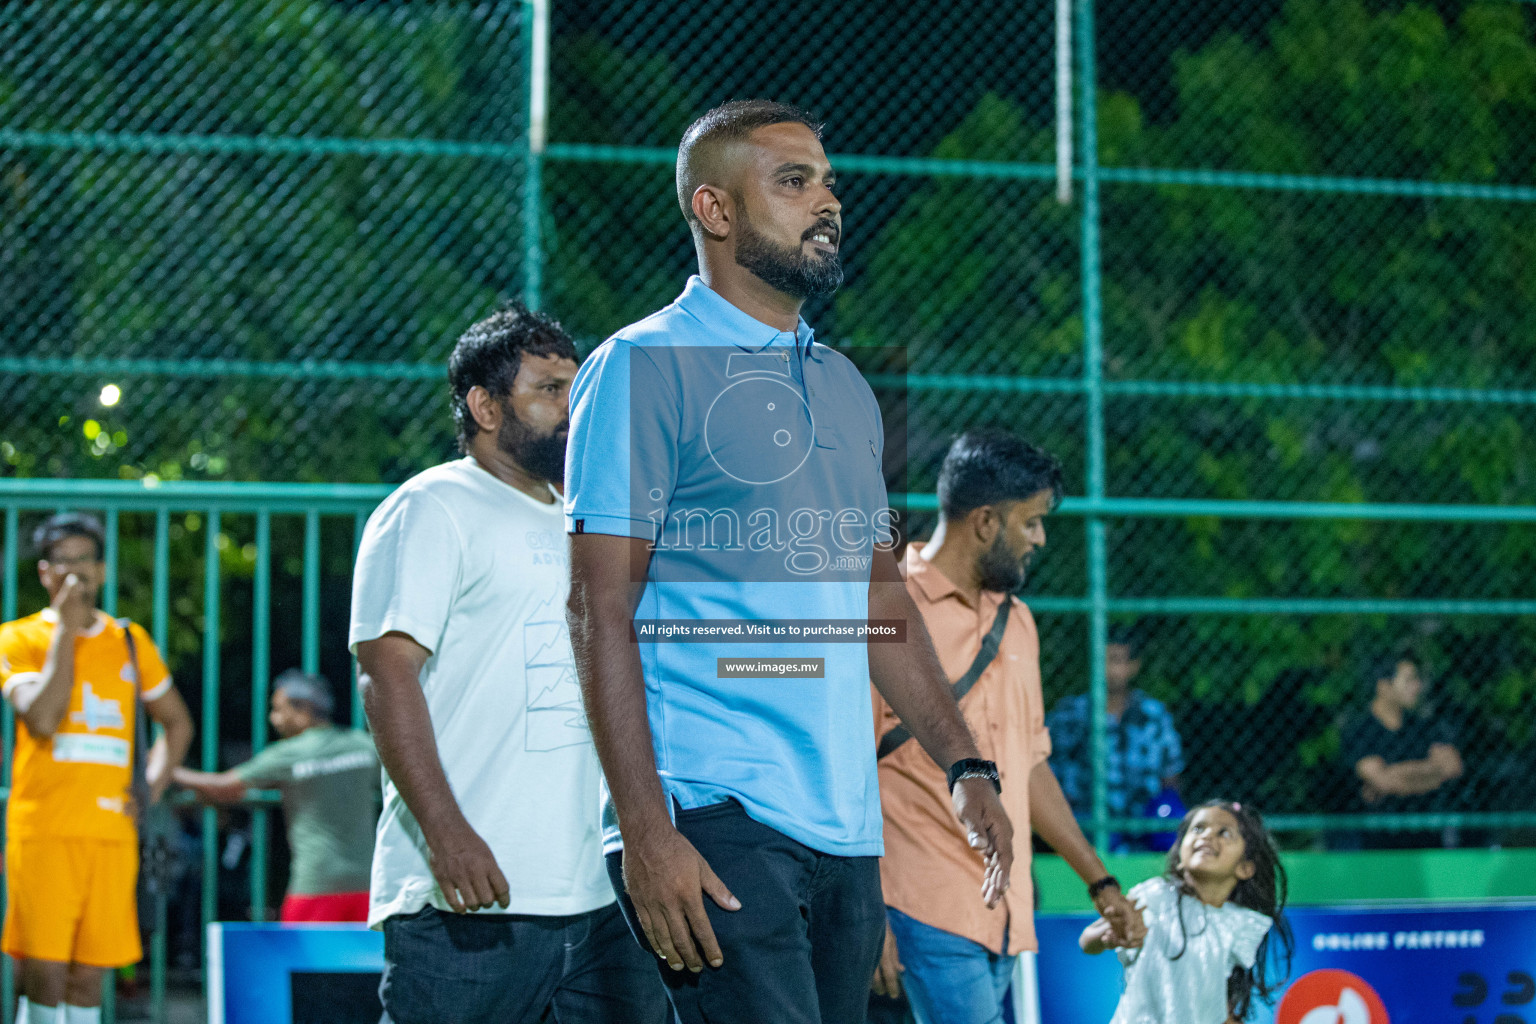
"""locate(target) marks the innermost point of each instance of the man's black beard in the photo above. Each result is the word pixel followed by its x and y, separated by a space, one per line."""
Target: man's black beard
pixel 999 570
pixel 786 268
pixel 542 455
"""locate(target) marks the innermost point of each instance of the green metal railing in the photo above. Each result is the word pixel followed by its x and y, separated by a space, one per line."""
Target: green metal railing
pixel 223 504
pixel 218 505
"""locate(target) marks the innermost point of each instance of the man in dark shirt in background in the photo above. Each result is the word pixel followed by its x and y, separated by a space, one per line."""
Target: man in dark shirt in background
pixel 1402 757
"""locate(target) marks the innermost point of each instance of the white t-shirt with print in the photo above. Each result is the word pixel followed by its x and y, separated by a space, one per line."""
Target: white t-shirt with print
pixel 477 572
pixel 1163 985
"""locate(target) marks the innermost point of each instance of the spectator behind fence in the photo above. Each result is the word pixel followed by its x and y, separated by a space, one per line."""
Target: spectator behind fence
pixel 1403 756
pixel 329 780
pixel 994 494
pixel 81 777
pixel 458 622
pixel 1144 755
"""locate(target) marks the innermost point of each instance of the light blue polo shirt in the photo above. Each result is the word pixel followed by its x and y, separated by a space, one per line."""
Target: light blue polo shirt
pixel 752 458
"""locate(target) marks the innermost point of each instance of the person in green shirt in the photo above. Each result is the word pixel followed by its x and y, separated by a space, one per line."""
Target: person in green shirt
pixel 329 778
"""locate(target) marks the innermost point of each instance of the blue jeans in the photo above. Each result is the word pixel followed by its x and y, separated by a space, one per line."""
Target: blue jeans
pixel 949 980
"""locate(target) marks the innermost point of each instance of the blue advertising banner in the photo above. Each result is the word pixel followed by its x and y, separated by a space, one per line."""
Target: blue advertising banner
pixel 293 974
pixel 1401 964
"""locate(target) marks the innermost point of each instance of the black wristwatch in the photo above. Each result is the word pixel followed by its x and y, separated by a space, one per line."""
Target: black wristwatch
pixel 1106 882
pixel 974 768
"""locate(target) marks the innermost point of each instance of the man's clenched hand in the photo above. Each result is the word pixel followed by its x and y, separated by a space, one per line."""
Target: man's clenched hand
pixel 466 870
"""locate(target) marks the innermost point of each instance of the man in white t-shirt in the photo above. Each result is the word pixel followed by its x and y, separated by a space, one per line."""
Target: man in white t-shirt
pixel 488 875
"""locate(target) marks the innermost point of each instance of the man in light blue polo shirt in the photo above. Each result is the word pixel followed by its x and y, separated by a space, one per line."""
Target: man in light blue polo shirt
pixel 733 590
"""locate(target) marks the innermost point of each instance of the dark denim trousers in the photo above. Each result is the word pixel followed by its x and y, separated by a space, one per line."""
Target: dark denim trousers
pixel 803 946
pixel 443 968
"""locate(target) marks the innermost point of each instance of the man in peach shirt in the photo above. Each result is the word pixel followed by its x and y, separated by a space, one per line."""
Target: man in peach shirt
pixel 994 493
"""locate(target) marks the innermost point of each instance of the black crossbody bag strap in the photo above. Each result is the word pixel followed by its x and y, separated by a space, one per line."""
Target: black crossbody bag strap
pixel 154 849
pixel 139 787
pixel 990 645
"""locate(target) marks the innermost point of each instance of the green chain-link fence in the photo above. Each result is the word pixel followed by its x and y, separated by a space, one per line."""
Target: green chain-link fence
pixel 1297 265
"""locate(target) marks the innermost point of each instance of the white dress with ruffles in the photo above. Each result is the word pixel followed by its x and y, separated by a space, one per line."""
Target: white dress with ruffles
pixel 1161 985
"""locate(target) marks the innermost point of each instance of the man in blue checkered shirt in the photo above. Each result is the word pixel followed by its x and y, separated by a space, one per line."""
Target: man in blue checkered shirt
pixel 1145 755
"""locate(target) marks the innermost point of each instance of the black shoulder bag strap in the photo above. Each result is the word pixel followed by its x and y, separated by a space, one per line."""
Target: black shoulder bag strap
pixel 990 645
pixel 154 849
pixel 138 788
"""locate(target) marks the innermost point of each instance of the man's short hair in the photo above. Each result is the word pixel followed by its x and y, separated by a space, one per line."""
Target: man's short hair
pixel 985 467
pixel 1384 668
pixel 309 689
pixel 68 524
pixel 1127 635
pixel 698 155
pixel 490 353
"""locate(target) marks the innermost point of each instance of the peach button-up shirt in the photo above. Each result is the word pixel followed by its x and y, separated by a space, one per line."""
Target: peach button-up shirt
pixel 929 872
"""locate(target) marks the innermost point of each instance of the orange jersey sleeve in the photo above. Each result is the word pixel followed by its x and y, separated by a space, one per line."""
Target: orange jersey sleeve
pixel 23 649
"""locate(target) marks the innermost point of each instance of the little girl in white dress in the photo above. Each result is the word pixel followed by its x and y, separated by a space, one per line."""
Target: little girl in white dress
pixel 1209 918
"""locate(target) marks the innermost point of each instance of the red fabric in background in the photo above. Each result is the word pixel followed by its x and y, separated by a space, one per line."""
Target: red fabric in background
pixel 331 906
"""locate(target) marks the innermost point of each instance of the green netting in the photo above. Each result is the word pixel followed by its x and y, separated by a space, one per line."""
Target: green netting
pixel 1304 245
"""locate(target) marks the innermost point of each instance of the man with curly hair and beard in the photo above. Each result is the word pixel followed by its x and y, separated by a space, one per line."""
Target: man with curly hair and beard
pixel 488 879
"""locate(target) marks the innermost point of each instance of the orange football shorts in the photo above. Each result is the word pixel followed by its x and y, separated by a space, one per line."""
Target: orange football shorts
pixel 72 900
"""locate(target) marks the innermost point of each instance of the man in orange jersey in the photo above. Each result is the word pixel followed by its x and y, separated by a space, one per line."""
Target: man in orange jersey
pixel 72 854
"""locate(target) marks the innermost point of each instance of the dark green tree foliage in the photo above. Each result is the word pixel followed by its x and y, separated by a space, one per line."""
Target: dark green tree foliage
pixel 179 238
pixel 204 246
pixel 618 240
pixel 1277 285
pixel 395 218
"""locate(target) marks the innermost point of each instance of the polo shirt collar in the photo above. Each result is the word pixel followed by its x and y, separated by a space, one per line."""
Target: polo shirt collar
pixel 929 579
pixel 746 332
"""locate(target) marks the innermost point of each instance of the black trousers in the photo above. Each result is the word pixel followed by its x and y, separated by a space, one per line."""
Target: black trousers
pixel 885 1010
pixel 803 946
pixel 443 968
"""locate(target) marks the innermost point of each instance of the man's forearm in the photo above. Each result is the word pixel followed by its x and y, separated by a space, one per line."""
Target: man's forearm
pixel 169 712
pixel 402 733
pixel 217 787
pixel 1411 778
pixel 175 740
pixel 46 711
pixel 613 691
pixel 912 681
pixel 1051 817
